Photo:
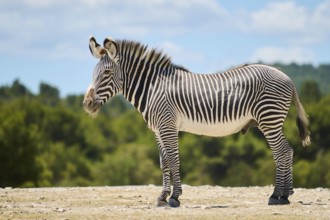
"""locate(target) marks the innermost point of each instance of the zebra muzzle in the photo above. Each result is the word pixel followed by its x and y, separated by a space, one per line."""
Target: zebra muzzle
pixel 91 105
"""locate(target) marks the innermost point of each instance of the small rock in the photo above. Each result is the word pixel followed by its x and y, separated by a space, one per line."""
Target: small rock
pixel 277 213
pixel 60 210
pixel 194 207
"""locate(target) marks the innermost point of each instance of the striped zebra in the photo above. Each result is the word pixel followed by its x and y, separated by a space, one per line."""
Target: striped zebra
pixel 172 99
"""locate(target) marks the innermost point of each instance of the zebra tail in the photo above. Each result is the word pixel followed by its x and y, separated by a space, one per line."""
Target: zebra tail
pixel 302 121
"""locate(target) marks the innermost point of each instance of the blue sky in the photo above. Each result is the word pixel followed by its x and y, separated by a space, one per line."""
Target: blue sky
pixel 47 40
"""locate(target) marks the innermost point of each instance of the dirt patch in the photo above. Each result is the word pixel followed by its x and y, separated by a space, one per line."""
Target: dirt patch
pixel 139 202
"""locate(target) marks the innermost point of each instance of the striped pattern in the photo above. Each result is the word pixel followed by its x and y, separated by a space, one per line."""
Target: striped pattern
pixel 172 99
pixel 108 83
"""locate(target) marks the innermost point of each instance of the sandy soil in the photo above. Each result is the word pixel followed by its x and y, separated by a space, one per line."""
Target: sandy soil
pixel 139 202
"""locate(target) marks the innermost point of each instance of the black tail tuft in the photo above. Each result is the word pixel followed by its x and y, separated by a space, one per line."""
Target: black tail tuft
pixel 303 131
pixel 302 121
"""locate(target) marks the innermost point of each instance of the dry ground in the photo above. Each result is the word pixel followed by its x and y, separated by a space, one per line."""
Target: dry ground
pixel 138 202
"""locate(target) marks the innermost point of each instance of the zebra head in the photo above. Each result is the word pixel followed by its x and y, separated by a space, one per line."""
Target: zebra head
pixel 107 77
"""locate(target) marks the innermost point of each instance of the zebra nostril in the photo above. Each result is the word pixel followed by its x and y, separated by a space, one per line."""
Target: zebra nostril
pixel 87 103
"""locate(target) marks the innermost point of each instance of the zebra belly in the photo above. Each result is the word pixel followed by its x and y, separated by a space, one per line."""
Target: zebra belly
pixel 219 129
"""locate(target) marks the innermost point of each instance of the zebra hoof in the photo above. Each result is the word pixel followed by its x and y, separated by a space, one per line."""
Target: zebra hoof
pixel 161 203
pixel 273 200
pixel 174 202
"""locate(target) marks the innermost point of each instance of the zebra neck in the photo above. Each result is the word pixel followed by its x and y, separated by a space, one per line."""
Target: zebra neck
pixel 143 69
pixel 140 81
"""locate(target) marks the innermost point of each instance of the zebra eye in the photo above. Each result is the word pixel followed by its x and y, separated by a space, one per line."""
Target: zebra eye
pixel 106 73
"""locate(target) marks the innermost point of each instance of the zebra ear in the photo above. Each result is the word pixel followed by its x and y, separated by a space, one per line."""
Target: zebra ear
pixel 95 48
pixel 111 46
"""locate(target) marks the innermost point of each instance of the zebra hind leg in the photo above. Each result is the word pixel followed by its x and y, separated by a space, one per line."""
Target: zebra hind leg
pixel 283 156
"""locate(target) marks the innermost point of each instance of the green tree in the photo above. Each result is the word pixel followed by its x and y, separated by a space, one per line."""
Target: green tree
pixel 66 166
pixel 49 94
pixel 310 91
pixel 14 91
pixel 19 147
pixel 129 164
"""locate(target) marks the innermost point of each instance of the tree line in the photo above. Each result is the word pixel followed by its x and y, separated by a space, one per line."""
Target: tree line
pixel 46 140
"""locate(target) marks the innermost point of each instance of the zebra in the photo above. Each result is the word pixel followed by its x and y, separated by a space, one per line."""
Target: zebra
pixel 172 99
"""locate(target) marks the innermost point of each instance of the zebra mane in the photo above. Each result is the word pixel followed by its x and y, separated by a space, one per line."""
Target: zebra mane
pixel 142 51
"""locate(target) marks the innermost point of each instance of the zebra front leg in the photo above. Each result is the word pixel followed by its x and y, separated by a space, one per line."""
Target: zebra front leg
pixel 169 138
pixel 283 156
pixel 164 166
pixel 175 171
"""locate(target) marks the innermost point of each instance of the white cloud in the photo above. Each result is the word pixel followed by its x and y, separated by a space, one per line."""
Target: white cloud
pixel 181 55
pixel 271 54
pixel 279 17
pixel 42 26
pixel 43 4
pixel 321 16
pixel 293 23
pixel 320 22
